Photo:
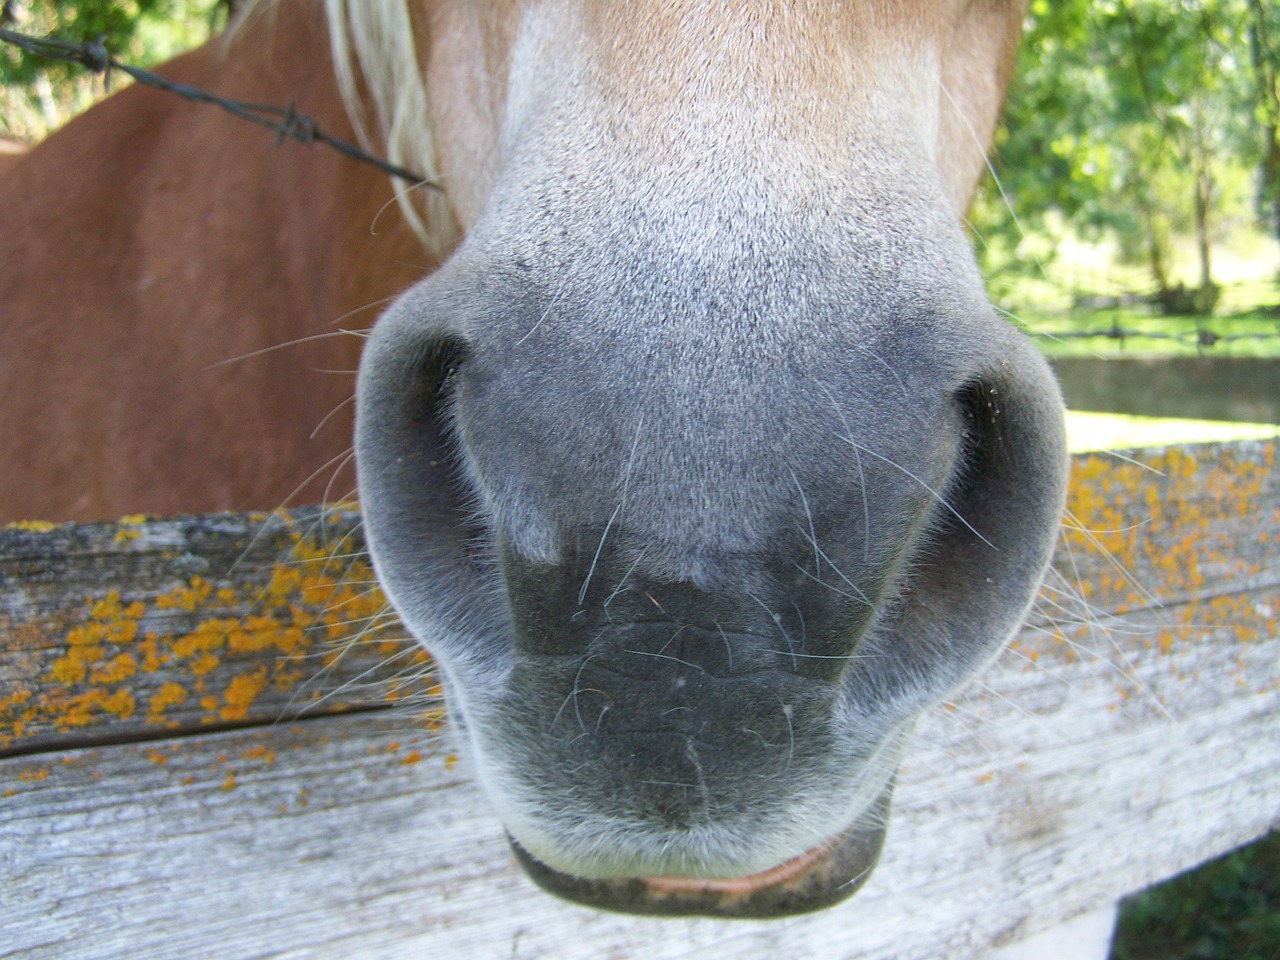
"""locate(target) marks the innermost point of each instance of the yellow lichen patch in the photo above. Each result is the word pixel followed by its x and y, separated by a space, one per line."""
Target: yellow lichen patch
pixel 152 658
pixel 260 752
pixel 16 712
pixel 204 664
pixel 169 695
pixel 187 596
pixel 1170 531
pixel 204 650
pixel 284 680
pixel 230 783
pixel 286 580
pixel 33 774
pixel 209 636
pixel 32 526
pixel 74 667
pixel 112 612
pixel 117 670
pixel 241 693
pixel 93 706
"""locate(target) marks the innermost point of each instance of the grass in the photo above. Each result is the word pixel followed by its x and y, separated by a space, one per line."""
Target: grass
pixel 1228 909
pixel 1253 333
pixel 1044 284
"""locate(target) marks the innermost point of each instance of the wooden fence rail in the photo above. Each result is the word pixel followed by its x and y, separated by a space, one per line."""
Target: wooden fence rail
pixel 213 743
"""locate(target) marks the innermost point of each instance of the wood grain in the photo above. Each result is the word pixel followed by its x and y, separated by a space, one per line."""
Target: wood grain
pixel 155 627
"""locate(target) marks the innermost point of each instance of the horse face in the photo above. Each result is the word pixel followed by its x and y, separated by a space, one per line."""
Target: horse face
pixel 703 466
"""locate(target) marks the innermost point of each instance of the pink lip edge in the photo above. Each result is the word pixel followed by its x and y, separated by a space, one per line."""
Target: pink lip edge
pixel 773 877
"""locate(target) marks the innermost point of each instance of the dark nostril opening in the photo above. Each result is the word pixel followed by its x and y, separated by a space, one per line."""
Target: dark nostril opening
pixel 1001 506
pixel 438 365
pixel 1007 453
pixel 416 501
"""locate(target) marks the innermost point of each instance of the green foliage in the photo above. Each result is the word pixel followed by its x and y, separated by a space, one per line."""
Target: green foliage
pixel 37 95
pixel 1228 909
pixel 1137 120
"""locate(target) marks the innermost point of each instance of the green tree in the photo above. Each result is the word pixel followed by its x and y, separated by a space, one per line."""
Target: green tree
pixel 1134 118
pixel 1264 46
pixel 38 95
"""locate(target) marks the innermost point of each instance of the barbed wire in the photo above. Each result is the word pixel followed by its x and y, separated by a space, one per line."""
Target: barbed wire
pixel 285 121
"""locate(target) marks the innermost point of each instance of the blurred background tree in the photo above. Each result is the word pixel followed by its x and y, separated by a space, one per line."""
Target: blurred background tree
pixel 37 96
pixel 1141 121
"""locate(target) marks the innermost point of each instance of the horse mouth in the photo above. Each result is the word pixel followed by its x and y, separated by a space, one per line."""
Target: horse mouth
pixel 818 878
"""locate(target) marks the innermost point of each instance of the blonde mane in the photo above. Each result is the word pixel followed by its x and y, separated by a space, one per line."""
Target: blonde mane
pixel 380 76
pixel 374 51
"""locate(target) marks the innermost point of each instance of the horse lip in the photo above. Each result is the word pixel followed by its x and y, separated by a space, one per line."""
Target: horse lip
pixel 817 878
pixel 784 873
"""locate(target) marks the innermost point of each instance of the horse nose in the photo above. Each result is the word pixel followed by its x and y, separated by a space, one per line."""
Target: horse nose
pixel 761 615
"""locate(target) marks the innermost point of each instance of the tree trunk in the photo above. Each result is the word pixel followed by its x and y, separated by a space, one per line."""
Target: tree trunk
pixel 1264 70
pixel 1204 191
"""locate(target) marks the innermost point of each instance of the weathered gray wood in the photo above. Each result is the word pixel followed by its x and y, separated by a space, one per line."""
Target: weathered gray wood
pixel 1113 745
pixel 150 627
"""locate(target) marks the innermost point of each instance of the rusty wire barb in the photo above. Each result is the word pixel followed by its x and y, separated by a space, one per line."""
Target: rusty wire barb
pixel 287 123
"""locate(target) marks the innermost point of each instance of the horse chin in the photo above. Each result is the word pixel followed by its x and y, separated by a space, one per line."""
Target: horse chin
pixel 818 878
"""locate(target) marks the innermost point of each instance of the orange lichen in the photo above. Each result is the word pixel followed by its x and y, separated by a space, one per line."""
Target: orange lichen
pixel 93 705
pixel 260 752
pixel 169 695
pixel 31 526
pixel 187 596
pixel 242 692
pixel 117 670
pixel 204 664
pixel 200 651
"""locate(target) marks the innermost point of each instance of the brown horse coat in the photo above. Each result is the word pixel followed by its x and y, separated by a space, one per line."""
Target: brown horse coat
pixel 149 251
